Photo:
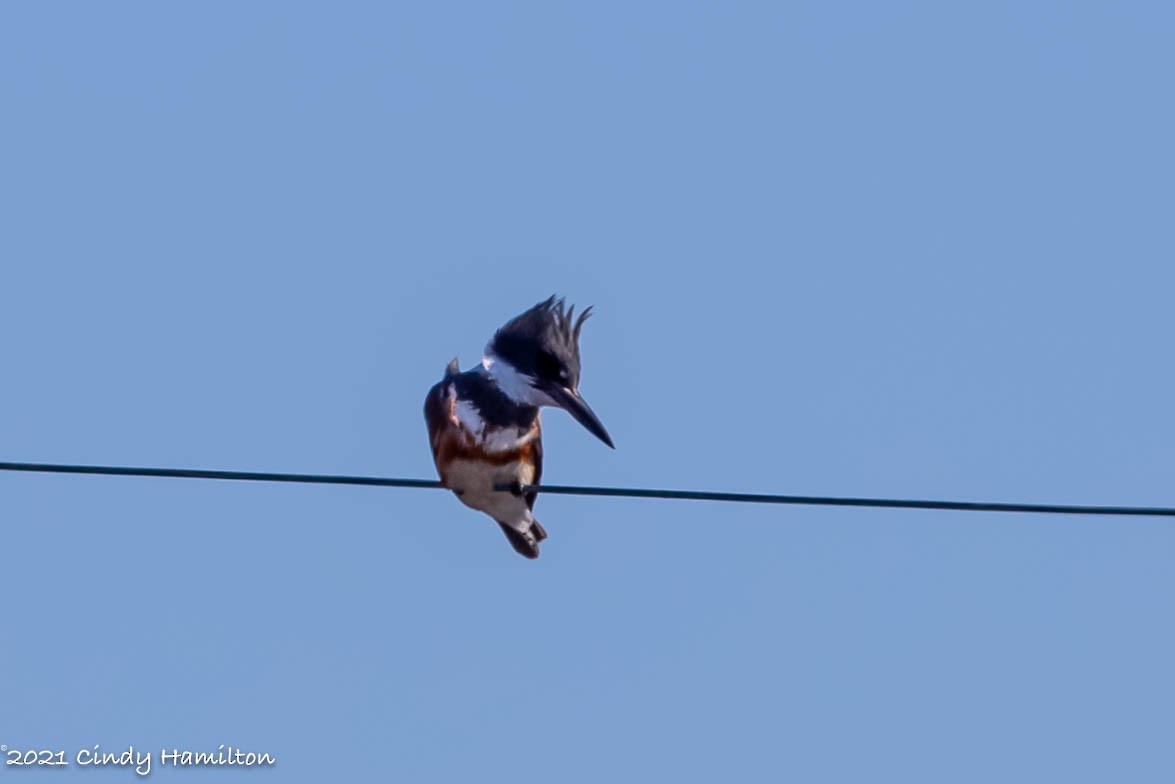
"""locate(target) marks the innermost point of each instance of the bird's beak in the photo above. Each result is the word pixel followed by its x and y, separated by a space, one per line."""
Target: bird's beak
pixel 571 402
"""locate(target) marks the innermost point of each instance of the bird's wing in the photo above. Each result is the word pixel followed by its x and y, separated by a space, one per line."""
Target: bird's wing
pixel 436 413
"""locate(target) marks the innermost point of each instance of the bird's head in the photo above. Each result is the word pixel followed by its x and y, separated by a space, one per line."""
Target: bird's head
pixel 534 358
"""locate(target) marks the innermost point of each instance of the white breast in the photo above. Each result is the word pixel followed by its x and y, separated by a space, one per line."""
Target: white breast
pixel 474 483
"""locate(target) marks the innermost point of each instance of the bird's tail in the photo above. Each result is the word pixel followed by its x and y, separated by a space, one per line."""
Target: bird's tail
pixel 525 543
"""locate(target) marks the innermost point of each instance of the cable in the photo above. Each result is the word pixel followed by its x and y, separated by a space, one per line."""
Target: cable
pixel 241 476
pixel 621 492
pixel 880 503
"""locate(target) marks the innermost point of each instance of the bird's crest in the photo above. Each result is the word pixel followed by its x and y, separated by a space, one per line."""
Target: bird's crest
pixel 546 334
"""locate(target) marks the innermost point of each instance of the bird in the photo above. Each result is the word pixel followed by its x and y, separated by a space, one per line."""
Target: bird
pixel 484 424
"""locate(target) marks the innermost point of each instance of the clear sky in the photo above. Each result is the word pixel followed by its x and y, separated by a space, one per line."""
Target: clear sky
pixel 849 248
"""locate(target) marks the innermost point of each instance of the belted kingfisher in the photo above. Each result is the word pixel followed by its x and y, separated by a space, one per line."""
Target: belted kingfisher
pixel 484 425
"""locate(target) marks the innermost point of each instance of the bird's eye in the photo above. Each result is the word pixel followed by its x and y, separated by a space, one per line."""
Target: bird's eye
pixel 548 366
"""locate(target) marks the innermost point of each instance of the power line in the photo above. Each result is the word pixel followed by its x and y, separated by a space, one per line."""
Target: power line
pixel 879 503
pixel 621 492
pixel 239 476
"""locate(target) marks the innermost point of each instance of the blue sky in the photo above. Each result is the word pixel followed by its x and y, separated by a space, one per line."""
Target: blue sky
pixel 904 249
